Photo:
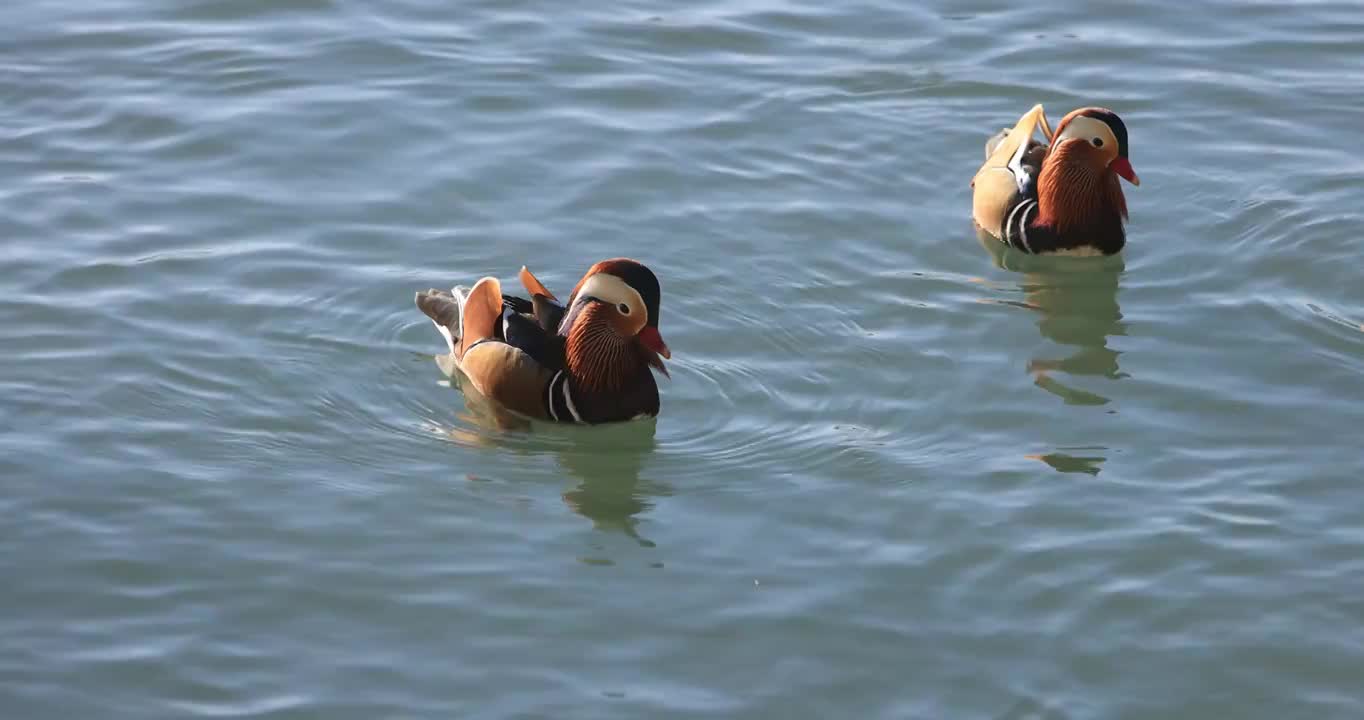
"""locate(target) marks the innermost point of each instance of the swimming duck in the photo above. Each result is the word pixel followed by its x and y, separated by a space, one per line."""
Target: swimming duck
pixel 584 361
pixel 1063 198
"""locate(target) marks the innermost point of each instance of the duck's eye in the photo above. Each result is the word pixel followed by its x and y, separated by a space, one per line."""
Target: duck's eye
pixel 623 308
pixel 1098 142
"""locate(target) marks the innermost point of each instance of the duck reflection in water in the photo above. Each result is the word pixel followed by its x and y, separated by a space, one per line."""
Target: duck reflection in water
pixel 605 460
pixel 607 467
pixel 1076 300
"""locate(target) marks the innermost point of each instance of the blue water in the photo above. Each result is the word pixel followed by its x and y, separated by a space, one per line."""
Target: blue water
pixel 898 474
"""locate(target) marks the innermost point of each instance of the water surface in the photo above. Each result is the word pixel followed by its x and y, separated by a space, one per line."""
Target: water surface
pixel 897 475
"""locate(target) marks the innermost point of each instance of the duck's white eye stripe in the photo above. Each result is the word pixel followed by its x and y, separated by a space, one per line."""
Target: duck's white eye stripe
pixel 611 289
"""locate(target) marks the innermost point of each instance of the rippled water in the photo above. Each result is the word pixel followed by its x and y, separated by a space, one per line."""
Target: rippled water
pixel 896 474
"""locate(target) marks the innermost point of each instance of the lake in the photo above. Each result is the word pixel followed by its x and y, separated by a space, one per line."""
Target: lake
pixel 898 473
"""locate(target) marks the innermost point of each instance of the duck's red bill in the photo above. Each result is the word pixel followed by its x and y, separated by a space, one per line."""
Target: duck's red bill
pixel 650 339
pixel 1123 167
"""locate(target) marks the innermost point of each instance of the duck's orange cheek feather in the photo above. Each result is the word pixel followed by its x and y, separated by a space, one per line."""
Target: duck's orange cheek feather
pixel 618 323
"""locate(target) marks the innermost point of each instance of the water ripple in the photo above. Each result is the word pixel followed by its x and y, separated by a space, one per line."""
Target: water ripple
pixel 240 485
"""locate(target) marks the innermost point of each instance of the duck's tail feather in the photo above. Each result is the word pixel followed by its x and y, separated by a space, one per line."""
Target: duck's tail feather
pixel 444 309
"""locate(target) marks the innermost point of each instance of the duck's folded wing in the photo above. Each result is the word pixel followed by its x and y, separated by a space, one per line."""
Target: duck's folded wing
pixel 524 332
pixel 517 304
pixel 544 310
pixel 1009 174
pixel 548 313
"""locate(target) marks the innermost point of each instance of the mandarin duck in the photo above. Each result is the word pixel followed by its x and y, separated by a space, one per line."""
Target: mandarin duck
pixel 1063 198
pixel 586 361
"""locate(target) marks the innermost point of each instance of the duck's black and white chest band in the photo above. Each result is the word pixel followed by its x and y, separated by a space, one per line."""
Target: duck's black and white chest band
pixel 559 399
pixel 1015 230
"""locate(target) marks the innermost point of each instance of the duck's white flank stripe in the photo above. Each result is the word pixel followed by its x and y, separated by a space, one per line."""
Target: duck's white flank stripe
pixel 1009 223
pixel 1023 226
pixel 568 400
pixel 549 395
